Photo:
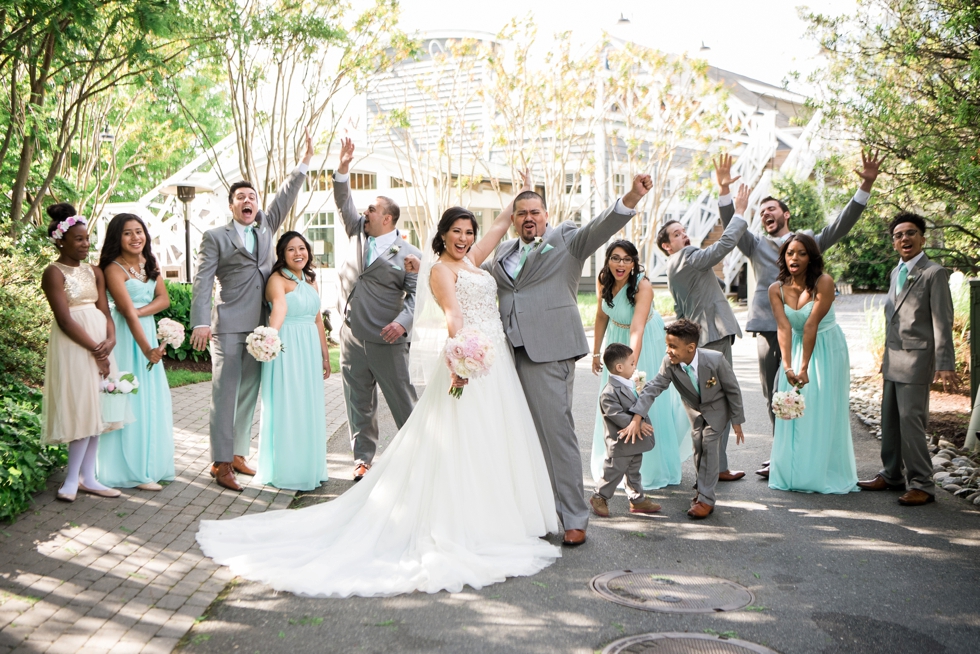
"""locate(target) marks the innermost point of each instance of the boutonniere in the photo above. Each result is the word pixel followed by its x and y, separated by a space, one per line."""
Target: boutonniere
pixel 537 241
pixel 394 249
pixel 711 382
pixel 639 380
pixel 909 279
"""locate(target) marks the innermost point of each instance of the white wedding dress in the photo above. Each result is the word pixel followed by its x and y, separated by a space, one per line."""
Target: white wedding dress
pixel 460 496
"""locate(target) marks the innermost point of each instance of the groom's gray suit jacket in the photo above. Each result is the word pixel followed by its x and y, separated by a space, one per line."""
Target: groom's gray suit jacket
pixel 371 297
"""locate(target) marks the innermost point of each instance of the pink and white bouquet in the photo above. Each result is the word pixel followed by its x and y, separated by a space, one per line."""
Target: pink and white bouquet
pixel 169 332
pixel 115 396
pixel 125 384
pixel 264 344
pixel 469 354
pixel 788 405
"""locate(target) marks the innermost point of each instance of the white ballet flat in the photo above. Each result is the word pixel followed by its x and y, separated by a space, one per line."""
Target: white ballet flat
pixel 109 492
pixel 150 486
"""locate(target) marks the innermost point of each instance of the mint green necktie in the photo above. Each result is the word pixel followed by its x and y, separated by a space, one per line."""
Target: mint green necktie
pixel 903 274
pixel 694 378
pixel 250 238
pixel 370 256
pixel 524 252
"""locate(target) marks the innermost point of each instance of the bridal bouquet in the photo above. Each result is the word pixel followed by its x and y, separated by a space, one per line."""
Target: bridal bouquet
pixel 264 344
pixel 788 405
pixel 469 354
pixel 115 392
pixel 169 332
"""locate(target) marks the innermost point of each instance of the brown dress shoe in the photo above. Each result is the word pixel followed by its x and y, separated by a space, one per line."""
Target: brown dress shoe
pixel 700 510
pixel 239 466
pixel 360 471
pixel 916 497
pixel 599 506
pixel 730 475
pixel 574 537
pixel 646 505
pixel 225 476
pixel 878 484
pixel 764 473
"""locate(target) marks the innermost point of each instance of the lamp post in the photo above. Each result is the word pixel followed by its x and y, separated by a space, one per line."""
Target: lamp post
pixel 186 190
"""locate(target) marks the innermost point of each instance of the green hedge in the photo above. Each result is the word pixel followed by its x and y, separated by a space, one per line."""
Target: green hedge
pixel 180 310
pixel 24 462
pixel 25 319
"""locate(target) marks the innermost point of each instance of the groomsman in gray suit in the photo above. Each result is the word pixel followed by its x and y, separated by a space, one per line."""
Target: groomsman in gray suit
pixel 918 350
pixel 537 278
pixel 763 253
pixel 698 296
pixel 239 256
pixel 377 306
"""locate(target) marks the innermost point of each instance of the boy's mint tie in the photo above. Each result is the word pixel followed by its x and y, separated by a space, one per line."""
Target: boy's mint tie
pixel 903 274
pixel 694 378
pixel 250 238
pixel 524 252
pixel 370 256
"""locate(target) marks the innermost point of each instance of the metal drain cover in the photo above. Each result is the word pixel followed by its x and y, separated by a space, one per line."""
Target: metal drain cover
pixel 671 592
pixel 678 643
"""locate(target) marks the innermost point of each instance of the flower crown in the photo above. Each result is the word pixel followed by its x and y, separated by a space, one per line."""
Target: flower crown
pixel 66 224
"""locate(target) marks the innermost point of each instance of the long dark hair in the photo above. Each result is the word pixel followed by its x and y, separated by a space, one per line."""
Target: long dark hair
pixel 112 247
pixel 451 215
pixel 814 267
pixel 281 246
pixel 606 279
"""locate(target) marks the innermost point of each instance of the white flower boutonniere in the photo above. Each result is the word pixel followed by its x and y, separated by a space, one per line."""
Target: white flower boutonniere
pixel 394 249
pixel 537 241
pixel 909 279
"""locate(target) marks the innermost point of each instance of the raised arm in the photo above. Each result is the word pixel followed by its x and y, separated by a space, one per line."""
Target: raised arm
pixel 484 247
pixel 821 305
pixel 726 207
pixel 707 258
pixel 286 195
pixel 353 223
pixel 835 231
pixel 784 332
pixel 589 238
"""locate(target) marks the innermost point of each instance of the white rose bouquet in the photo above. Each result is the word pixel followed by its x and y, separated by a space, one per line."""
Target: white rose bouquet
pixel 115 392
pixel 169 332
pixel 788 405
pixel 264 344
pixel 125 384
pixel 639 380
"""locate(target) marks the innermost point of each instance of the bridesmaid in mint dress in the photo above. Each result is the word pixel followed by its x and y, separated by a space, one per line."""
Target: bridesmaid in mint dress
pixel 141 454
pixel 812 453
pixel 622 321
pixel 293 433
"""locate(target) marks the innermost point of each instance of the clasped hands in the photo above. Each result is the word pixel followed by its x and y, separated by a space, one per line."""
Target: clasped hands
pixel 636 430
pixel 797 380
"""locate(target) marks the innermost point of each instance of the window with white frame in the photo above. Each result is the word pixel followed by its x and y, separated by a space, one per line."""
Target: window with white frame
pixel 320 234
pixel 619 185
pixel 363 181
pixel 318 180
pixel 573 183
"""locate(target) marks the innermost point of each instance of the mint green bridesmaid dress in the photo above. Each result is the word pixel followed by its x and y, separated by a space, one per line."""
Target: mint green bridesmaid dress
pixel 671 427
pixel 293 431
pixel 814 453
pixel 142 452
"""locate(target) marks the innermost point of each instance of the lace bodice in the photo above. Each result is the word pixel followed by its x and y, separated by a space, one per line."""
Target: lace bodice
pixel 80 286
pixel 476 293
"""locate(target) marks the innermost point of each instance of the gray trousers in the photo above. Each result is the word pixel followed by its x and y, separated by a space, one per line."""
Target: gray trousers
pixel 707 453
pixel 234 391
pixel 723 345
pixel 548 388
pixel 904 414
pixel 364 366
pixel 770 361
pixel 613 470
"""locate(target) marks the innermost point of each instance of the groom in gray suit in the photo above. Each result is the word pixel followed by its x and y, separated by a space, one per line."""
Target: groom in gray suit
pixel 537 284
pixel 239 256
pixel 377 305
pixel 698 296
pixel 763 252
pixel 918 345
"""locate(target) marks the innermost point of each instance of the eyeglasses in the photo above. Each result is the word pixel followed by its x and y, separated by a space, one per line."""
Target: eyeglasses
pixel 898 236
pixel 619 259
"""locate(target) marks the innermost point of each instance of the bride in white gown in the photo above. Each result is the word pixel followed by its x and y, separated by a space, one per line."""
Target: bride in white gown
pixel 460 496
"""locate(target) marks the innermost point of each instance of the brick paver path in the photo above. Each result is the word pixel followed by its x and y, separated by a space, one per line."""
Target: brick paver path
pixel 126 575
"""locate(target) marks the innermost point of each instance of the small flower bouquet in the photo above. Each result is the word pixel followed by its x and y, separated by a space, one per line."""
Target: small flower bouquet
pixel 169 332
pixel 639 379
pixel 788 405
pixel 264 344
pixel 469 354
pixel 115 395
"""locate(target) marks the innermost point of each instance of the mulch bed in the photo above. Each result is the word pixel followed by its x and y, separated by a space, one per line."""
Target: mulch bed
pixel 188 364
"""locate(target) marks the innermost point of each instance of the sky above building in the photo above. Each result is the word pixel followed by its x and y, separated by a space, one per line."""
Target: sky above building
pixel 763 39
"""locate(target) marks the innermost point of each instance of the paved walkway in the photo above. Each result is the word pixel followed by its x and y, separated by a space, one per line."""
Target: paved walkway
pixel 126 575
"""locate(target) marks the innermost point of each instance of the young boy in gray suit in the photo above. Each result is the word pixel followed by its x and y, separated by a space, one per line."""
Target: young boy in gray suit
pixel 707 384
pixel 622 457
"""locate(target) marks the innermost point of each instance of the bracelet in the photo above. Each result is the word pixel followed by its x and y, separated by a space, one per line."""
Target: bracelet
pixel 596 356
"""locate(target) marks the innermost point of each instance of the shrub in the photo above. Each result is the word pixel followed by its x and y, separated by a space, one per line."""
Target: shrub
pixel 180 310
pixel 25 319
pixel 24 462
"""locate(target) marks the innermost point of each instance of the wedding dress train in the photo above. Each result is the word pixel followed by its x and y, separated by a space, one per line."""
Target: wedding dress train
pixel 460 496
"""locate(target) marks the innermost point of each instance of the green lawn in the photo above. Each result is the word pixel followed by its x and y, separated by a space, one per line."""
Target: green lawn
pixel 662 302
pixel 184 377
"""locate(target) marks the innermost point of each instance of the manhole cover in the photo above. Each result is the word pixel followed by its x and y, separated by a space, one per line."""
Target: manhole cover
pixel 671 592
pixel 677 643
